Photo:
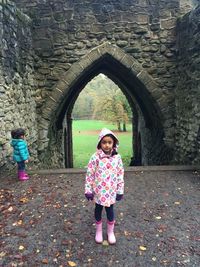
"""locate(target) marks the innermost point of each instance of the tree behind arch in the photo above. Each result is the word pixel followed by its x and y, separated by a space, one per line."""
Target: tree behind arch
pixel 102 99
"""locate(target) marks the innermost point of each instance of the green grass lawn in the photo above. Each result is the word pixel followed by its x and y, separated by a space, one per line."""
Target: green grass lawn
pixel 85 141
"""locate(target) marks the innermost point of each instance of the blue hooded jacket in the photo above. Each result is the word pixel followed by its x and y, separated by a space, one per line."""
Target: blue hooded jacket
pixel 20 150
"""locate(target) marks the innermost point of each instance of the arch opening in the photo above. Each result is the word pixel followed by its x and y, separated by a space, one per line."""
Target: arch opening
pixel 148 133
pixel 101 104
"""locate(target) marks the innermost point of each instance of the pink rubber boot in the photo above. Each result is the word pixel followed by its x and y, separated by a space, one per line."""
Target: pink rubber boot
pixel 110 232
pixel 22 176
pixel 99 234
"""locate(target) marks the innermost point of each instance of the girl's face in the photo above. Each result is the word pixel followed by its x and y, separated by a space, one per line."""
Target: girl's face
pixel 107 144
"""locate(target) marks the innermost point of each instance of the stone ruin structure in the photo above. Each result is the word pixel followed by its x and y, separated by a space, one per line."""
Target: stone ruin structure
pixel 50 49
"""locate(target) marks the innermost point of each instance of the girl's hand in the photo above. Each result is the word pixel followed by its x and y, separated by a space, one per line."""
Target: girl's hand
pixel 119 197
pixel 26 161
pixel 89 196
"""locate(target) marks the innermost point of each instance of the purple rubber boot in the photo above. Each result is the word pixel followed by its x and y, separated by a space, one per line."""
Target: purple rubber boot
pixel 22 176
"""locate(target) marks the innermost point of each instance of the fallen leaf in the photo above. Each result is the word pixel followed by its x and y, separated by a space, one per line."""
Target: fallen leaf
pixel 177 203
pixel 45 261
pixel 24 200
pixel 20 222
pixel 21 247
pixel 57 254
pixel 126 233
pixel 71 263
pixel 2 254
pixel 158 217
pixel 57 206
pixel 139 234
pixel 30 190
pixel 105 243
pixel 162 228
pixel 165 261
pixel 143 248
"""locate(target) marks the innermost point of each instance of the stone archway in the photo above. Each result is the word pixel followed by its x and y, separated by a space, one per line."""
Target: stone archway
pixel 140 89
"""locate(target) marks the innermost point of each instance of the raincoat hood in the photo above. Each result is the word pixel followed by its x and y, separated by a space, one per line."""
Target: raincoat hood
pixel 105 132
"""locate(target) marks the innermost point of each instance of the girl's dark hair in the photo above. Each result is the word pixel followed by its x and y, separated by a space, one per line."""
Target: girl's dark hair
pixel 17 133
pixel 114 152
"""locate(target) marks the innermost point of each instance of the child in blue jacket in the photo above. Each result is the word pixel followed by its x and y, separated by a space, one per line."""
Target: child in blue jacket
pixel 20 152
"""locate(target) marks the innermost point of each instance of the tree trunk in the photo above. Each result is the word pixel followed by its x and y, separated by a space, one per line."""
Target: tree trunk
pixel 119 126
pixel 124 127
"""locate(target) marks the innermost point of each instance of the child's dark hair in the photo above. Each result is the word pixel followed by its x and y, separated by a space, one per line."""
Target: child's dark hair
pixel 17 133
pixel 114 152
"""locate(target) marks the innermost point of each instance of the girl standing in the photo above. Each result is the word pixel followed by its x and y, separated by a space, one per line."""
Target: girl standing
pixel 20 152
pixel 105 182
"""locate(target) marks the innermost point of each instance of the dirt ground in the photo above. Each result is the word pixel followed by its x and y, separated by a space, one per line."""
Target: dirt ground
pixel 46 221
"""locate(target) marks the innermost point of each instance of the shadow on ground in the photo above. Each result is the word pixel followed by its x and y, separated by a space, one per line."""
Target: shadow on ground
pixel 46 221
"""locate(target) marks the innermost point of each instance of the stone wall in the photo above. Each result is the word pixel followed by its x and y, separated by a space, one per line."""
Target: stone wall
pixel 41 62
pixel 65 31
pixel 187 93
pixel 16 80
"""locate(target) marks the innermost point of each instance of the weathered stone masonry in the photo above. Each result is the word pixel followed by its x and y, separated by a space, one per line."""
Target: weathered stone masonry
pixel 58 46
pixel 17 90
pixel 187 93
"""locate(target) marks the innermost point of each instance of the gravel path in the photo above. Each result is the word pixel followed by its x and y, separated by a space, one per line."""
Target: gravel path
pixel 46 221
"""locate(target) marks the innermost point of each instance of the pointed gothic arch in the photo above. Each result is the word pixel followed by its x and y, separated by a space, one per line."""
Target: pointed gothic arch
pixel 137 85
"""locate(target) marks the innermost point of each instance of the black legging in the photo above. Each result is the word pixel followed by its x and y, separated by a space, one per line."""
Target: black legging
pixel 109 212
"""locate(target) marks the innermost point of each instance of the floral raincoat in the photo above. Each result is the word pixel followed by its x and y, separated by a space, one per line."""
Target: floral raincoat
pixel 105 175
